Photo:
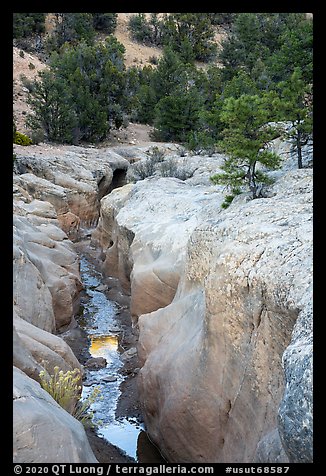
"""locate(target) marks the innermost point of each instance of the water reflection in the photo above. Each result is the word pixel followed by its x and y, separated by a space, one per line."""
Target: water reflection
pixel 103 345
pixel 98 317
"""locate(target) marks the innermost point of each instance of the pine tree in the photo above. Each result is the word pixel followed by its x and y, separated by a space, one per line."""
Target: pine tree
pixel 176 115
pixel 278 41
pixel 296 106
pixel 245 139
pixel 27 24
pixel 71 28
pixel 179 30
pixel 87 83
pixel 105 22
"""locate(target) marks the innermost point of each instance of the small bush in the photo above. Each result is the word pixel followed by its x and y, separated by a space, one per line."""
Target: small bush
pixel 21 139
pixel 140 29
pixel 201 142
pixel 22 54
pixel 171 168
pixel 27 83
pixel 182 151
pixel 142 169
pixel 156 154
pixel 65 389
pixel 31 66
pixel 82 410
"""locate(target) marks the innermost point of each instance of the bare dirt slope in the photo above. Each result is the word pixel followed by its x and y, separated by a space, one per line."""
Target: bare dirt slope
pixel 135 53
pixel 23 63
pixel 133 134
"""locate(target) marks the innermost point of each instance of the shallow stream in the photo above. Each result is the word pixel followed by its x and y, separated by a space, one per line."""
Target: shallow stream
pixel 100 321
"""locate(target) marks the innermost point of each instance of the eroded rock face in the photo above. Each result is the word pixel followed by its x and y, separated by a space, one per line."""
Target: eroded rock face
pixel 38 350
pixel 247 278
pixel 217 294
pixel 46 280
pixel 43 432
pixel 73 179
pixel 143 231
pixel 46 286
pixel 296 412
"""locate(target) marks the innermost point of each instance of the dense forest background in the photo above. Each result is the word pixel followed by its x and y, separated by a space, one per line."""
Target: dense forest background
pixel 232 97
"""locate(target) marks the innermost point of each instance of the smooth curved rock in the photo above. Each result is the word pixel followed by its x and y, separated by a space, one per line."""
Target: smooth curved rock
pixel 43 432
pixel 47 350
pixel 143 236
pixel 23 359
pixel 212 359
pixel 217 294
pixel 46 276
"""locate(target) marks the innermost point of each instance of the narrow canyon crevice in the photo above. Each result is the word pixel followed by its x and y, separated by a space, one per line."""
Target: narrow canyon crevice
pixel 204 328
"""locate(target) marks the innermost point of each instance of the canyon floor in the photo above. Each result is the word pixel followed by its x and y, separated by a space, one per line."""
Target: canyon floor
pixel 128 404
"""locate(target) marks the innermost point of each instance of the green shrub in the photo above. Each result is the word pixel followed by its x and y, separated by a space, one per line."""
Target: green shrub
pixel 21 139
pixel 31 65
pixel 140 29
pixel 27 83
pixel 28 24
pixel 105 22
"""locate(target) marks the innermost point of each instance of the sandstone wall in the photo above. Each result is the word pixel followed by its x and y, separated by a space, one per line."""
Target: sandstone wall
pixel 73 179
pixel 216 295
pixel 56 190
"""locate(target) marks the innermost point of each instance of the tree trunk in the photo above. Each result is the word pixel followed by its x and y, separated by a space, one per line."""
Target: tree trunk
pixel 252 181
pixel 299 150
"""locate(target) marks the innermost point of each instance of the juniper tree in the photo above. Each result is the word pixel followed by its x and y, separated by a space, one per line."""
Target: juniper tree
pixel 245 140
pixel 50 101
pixel 83 93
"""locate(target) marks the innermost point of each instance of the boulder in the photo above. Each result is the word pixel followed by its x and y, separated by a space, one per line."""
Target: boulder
pixel 95 363
pixel 43 432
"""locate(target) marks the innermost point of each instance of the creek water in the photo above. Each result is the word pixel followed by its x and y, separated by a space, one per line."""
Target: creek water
pixel 99 319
